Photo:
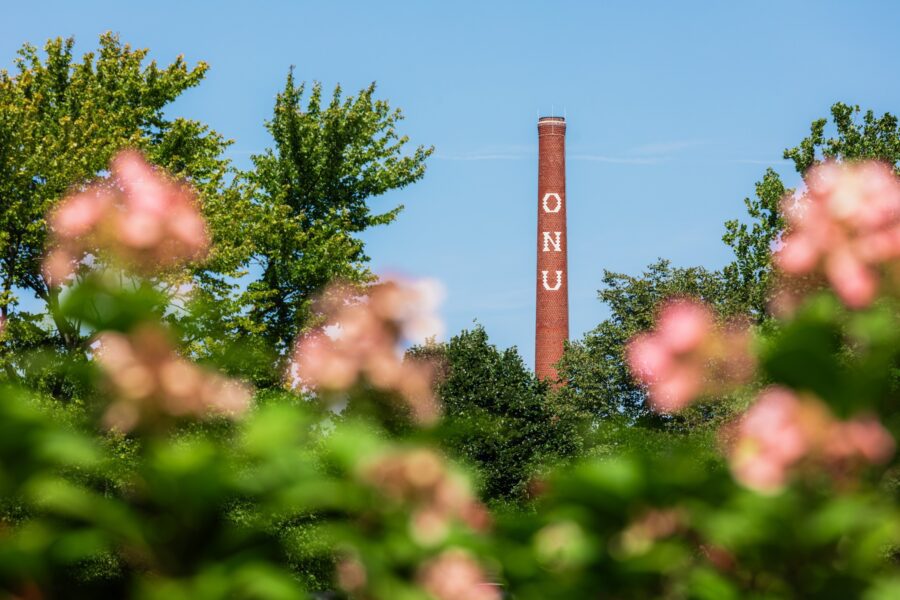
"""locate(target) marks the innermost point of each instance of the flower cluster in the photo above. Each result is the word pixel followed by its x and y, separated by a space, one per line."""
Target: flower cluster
pixel 652 525
pixel 455 575
pixel 845 228
pixel 782 430
pixel 420 480
pixel 362 340
pixel 148 379
pixel 688 355
pixel 351 574
pixel 138 216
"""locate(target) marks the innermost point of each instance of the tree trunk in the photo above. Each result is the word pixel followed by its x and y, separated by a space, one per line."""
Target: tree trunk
pixel 70 338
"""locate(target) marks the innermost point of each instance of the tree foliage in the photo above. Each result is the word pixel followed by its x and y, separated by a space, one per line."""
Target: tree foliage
pixel 748 275
pixel 594 369
pixel 61 120
pixel 280 231
pixel 597 379
pixel 330 159
pixel 866 138
pixel 497 416
pixel 258 501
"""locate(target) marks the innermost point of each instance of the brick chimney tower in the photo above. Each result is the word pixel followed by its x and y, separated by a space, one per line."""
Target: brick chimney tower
pixel 552 309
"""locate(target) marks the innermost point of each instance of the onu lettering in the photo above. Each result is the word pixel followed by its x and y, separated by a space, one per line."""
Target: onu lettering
pixel 550 241
pixel 552 203
pixel 547 285
pixel 551 197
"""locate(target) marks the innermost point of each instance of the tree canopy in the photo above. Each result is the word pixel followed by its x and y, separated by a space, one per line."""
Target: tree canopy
pixel 280 231
pixel 61 121
pixel 497 416
pixel 313 193
pixel 597 379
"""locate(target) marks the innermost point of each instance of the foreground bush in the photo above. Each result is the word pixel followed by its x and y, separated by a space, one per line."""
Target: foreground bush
pixel 175 481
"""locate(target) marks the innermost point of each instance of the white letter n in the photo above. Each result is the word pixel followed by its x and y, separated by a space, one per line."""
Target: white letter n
pixel 548 241
pixel 558 281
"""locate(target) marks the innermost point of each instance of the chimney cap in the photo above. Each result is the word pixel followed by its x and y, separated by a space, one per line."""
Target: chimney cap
pixel 552 119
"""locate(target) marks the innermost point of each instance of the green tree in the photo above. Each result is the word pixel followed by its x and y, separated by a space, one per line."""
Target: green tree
pixel 497 416
pixel 61 120
pixel 314 187
pixel 855 137
pixel 748 275
pixel 598 380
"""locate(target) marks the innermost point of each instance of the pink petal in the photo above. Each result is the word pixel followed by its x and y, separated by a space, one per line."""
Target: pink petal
pixel 684 324
pixel 852 280
pixel 647 358
pixel 797 255
pixel 676 391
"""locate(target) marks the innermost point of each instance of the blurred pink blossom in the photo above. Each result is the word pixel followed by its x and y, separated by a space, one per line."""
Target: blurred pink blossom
pixel 781 430
pixel 845 228
pixel 148 379
pixel 420 481
pixel 138 217
pixel 688 355
pixel 351 574
pixel 862 438
pixel 455 575
pixel 652 525
pixel 363 342
pixel 682 325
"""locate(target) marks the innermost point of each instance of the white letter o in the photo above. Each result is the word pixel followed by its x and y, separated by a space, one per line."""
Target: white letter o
pixel 549 195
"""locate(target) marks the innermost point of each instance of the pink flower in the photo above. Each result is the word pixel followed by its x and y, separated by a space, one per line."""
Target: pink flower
pixel 845 229
pixel 688 355
pixel 81 212
pixel 318 363
pixel 677 389
pixel 799 256
pixel 683 326
pixel 648 356
pixel 864 438
pixel 139 230
pixel 854 282
pixel 351 574
pixel 364 344
pixel 773 435
pixel 420 482
pixel 58 266
pixel 652 525
pixel 454 575
pixel 872 440
pixel 148 380
pixel 138 217
pixel 783 430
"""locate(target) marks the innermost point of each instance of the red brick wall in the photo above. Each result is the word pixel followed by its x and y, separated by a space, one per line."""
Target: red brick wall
pixel 552 282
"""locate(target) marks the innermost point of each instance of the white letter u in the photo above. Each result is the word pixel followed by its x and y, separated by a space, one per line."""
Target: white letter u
pixel 558 281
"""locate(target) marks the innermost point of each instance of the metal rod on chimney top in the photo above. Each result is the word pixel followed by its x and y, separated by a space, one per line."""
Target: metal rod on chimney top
pixel 552 285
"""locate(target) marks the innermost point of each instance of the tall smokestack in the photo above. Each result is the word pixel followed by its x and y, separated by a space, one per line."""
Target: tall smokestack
pixel 552 311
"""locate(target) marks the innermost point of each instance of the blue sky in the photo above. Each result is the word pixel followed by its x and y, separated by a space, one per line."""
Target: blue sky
pixel 675 109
